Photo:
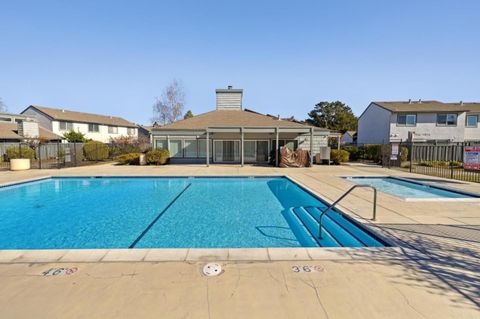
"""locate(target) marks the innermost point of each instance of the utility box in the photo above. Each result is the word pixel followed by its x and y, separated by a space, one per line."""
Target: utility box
pixel 324 155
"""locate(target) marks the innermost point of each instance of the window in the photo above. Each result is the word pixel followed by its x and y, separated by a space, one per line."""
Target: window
pixel 176 148
pixel 472 120
pixel 190 148
pixel 161 144
pixel 130 131
pixel 447 119
pixel 112 130
pixel 202 148
pixel 93 127
pixel 66 126
pixel 407 119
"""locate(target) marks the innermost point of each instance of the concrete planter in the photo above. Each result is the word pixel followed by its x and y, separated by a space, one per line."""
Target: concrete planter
pixel 143 159
pixel 19 164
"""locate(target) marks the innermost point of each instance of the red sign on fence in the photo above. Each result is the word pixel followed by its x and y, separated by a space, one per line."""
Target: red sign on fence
pixel 471 158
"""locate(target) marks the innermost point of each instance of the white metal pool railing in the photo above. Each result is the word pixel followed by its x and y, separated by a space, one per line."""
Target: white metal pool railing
pixel 342 197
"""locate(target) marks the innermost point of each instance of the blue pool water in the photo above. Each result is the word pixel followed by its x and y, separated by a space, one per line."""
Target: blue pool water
pixel 406 189
pixel 69 213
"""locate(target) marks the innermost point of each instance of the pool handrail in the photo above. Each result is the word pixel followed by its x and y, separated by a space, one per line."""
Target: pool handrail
pixel 342 197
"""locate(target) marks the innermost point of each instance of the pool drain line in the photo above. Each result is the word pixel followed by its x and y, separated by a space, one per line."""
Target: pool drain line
pixel 135 242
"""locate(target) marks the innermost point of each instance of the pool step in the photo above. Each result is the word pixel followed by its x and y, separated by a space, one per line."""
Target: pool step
pixel 300 230
pixel 311 225
pixel 356 231
pixel 337 231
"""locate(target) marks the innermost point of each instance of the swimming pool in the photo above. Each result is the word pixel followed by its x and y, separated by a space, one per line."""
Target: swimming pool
pixel 407 189
pixel 173 212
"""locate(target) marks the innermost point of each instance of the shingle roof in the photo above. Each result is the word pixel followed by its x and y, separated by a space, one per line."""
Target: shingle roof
pixel 428 106
pixel 73 116
pixel 230 118
pixel 8 131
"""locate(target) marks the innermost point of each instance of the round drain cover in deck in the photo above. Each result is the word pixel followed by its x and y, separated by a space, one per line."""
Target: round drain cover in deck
pixel 212 269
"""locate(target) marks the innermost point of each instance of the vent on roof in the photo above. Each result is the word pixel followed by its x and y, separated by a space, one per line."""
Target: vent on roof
pixel 419 100
pixel 461 102
pixel 409 101
pixel 63 111
pixel 229 99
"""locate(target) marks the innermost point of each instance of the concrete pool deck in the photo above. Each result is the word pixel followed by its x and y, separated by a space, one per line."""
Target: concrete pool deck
pixel 434 272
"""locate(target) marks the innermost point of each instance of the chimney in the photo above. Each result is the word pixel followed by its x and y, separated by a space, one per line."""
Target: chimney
pixel 229 98
pixel 28 129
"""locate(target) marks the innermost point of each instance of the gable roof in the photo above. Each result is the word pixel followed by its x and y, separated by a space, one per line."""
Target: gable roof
pixel 8 131
pixel 428 106
pixel 230 118
pixel 81 117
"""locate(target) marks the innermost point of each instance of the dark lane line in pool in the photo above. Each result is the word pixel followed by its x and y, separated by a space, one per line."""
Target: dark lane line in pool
pixel 135 242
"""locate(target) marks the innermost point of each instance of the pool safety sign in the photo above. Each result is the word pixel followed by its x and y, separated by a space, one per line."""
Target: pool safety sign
pixel 471 158
pixel 394 154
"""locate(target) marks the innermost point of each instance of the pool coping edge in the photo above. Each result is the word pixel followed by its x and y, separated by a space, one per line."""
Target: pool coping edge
pixel 204 254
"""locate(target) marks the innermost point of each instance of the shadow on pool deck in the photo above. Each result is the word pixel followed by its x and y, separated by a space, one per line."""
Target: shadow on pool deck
pixel 452 258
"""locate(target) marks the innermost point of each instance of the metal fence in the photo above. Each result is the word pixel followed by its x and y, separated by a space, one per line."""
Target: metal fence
pixel 59 155
pixel 441 160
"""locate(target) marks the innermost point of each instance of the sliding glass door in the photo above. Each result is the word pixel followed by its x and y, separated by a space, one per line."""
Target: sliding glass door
pixel 226 151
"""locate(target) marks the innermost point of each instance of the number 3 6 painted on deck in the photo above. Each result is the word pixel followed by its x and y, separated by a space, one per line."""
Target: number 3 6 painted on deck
pixel 307 268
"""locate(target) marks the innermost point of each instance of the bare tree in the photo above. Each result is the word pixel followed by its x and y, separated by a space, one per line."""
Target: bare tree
pixel 3 107
pixel 169 107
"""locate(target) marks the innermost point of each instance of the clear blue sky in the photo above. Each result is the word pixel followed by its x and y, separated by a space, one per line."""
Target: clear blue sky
pixel 114 57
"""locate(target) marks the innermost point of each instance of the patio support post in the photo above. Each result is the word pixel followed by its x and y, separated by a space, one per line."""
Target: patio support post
pixel 241 154
pixel 338 142
pixel 276 147
pixel 208 151
pixel 311 146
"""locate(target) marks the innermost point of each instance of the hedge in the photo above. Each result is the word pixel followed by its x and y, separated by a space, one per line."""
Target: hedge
pixel 373 152
pixel 128 159
pixel 339 156
pixel 16 152
pixel 158 157
pixel 95 151
pixel 355 152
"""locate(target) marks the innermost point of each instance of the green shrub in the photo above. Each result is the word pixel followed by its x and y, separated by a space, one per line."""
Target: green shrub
pixel 339 156
pixel 404 154
pixel 444 164
pixel 158 157
pixel 456 163
pixel 74 137
pixel 95 151
pixel 372 152
pixel 128 159
pixel 355 152
pixel 16 152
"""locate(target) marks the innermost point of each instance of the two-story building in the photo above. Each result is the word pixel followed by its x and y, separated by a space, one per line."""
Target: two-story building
pixel 386 122
pixel 96 127
pixel 16 128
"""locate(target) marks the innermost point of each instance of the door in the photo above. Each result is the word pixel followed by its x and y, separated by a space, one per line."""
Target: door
pixel 262 151
pixel 250 152
pixel 226 151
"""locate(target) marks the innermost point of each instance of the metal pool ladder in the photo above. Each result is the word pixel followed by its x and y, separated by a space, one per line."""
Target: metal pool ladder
pixel 342 197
